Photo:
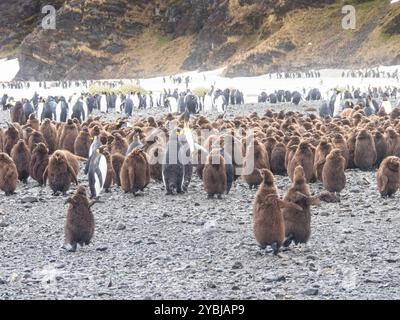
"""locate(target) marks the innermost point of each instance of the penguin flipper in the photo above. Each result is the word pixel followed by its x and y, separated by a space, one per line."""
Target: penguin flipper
pixel 72 174
pixel 86 171
pixel 300 196
pixel 91 185
pixel 92 203
pixel 313 201
pixel 289 205
pixel 288 240
pixel 45 174
pixel 131 177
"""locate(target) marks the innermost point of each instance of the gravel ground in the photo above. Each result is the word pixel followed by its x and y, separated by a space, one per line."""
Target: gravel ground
pixel 188 247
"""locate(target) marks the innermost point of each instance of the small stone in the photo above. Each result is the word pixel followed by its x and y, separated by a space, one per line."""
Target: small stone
pixel 211 285
pixel 235 288
pixel 311 292
pixel 104 294
pixel 237 265
pixel 121 227
pixel 138 242
pixel 196 204
pixel 3 224
pixel 373 280
pixel 29 200
pixel 392 260
pixel 103 248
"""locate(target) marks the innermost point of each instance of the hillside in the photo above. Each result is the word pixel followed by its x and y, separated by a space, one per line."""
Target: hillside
pixel 128 39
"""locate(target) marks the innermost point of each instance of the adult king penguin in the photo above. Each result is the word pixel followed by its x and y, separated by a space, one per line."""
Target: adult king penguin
pixel 103 103
pixel 97 173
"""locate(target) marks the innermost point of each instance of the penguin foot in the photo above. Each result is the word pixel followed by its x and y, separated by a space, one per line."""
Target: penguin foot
pixel 140 194
pixel 69 247
pixel 219 197
pixel 262 247
pixel 210 196
pixel 275 248
pixel 288 240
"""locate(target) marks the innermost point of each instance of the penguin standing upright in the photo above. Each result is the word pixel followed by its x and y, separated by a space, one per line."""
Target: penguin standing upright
pixel 72 101
pixel 128 106
pixel 172 167
pixel 95 144
pixel 208 103
pixel 78 111
pixel 172 104
pixel 229 169
pixel 336 104
pixel 134 144
pixel 40 110
pixel 136 101
pixel 118 104
pixel 187 132
pixel 97 173
pixel 103 104
pixel 85 110
pixel 62 110
pixel 47 111
pixel 58 111
pixel 221 103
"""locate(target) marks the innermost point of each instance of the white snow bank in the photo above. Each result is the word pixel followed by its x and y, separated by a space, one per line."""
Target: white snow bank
pixel 8 69
pixel 250 86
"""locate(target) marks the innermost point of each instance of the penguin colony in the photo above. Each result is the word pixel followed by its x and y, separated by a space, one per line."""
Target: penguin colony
pixel 254 148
